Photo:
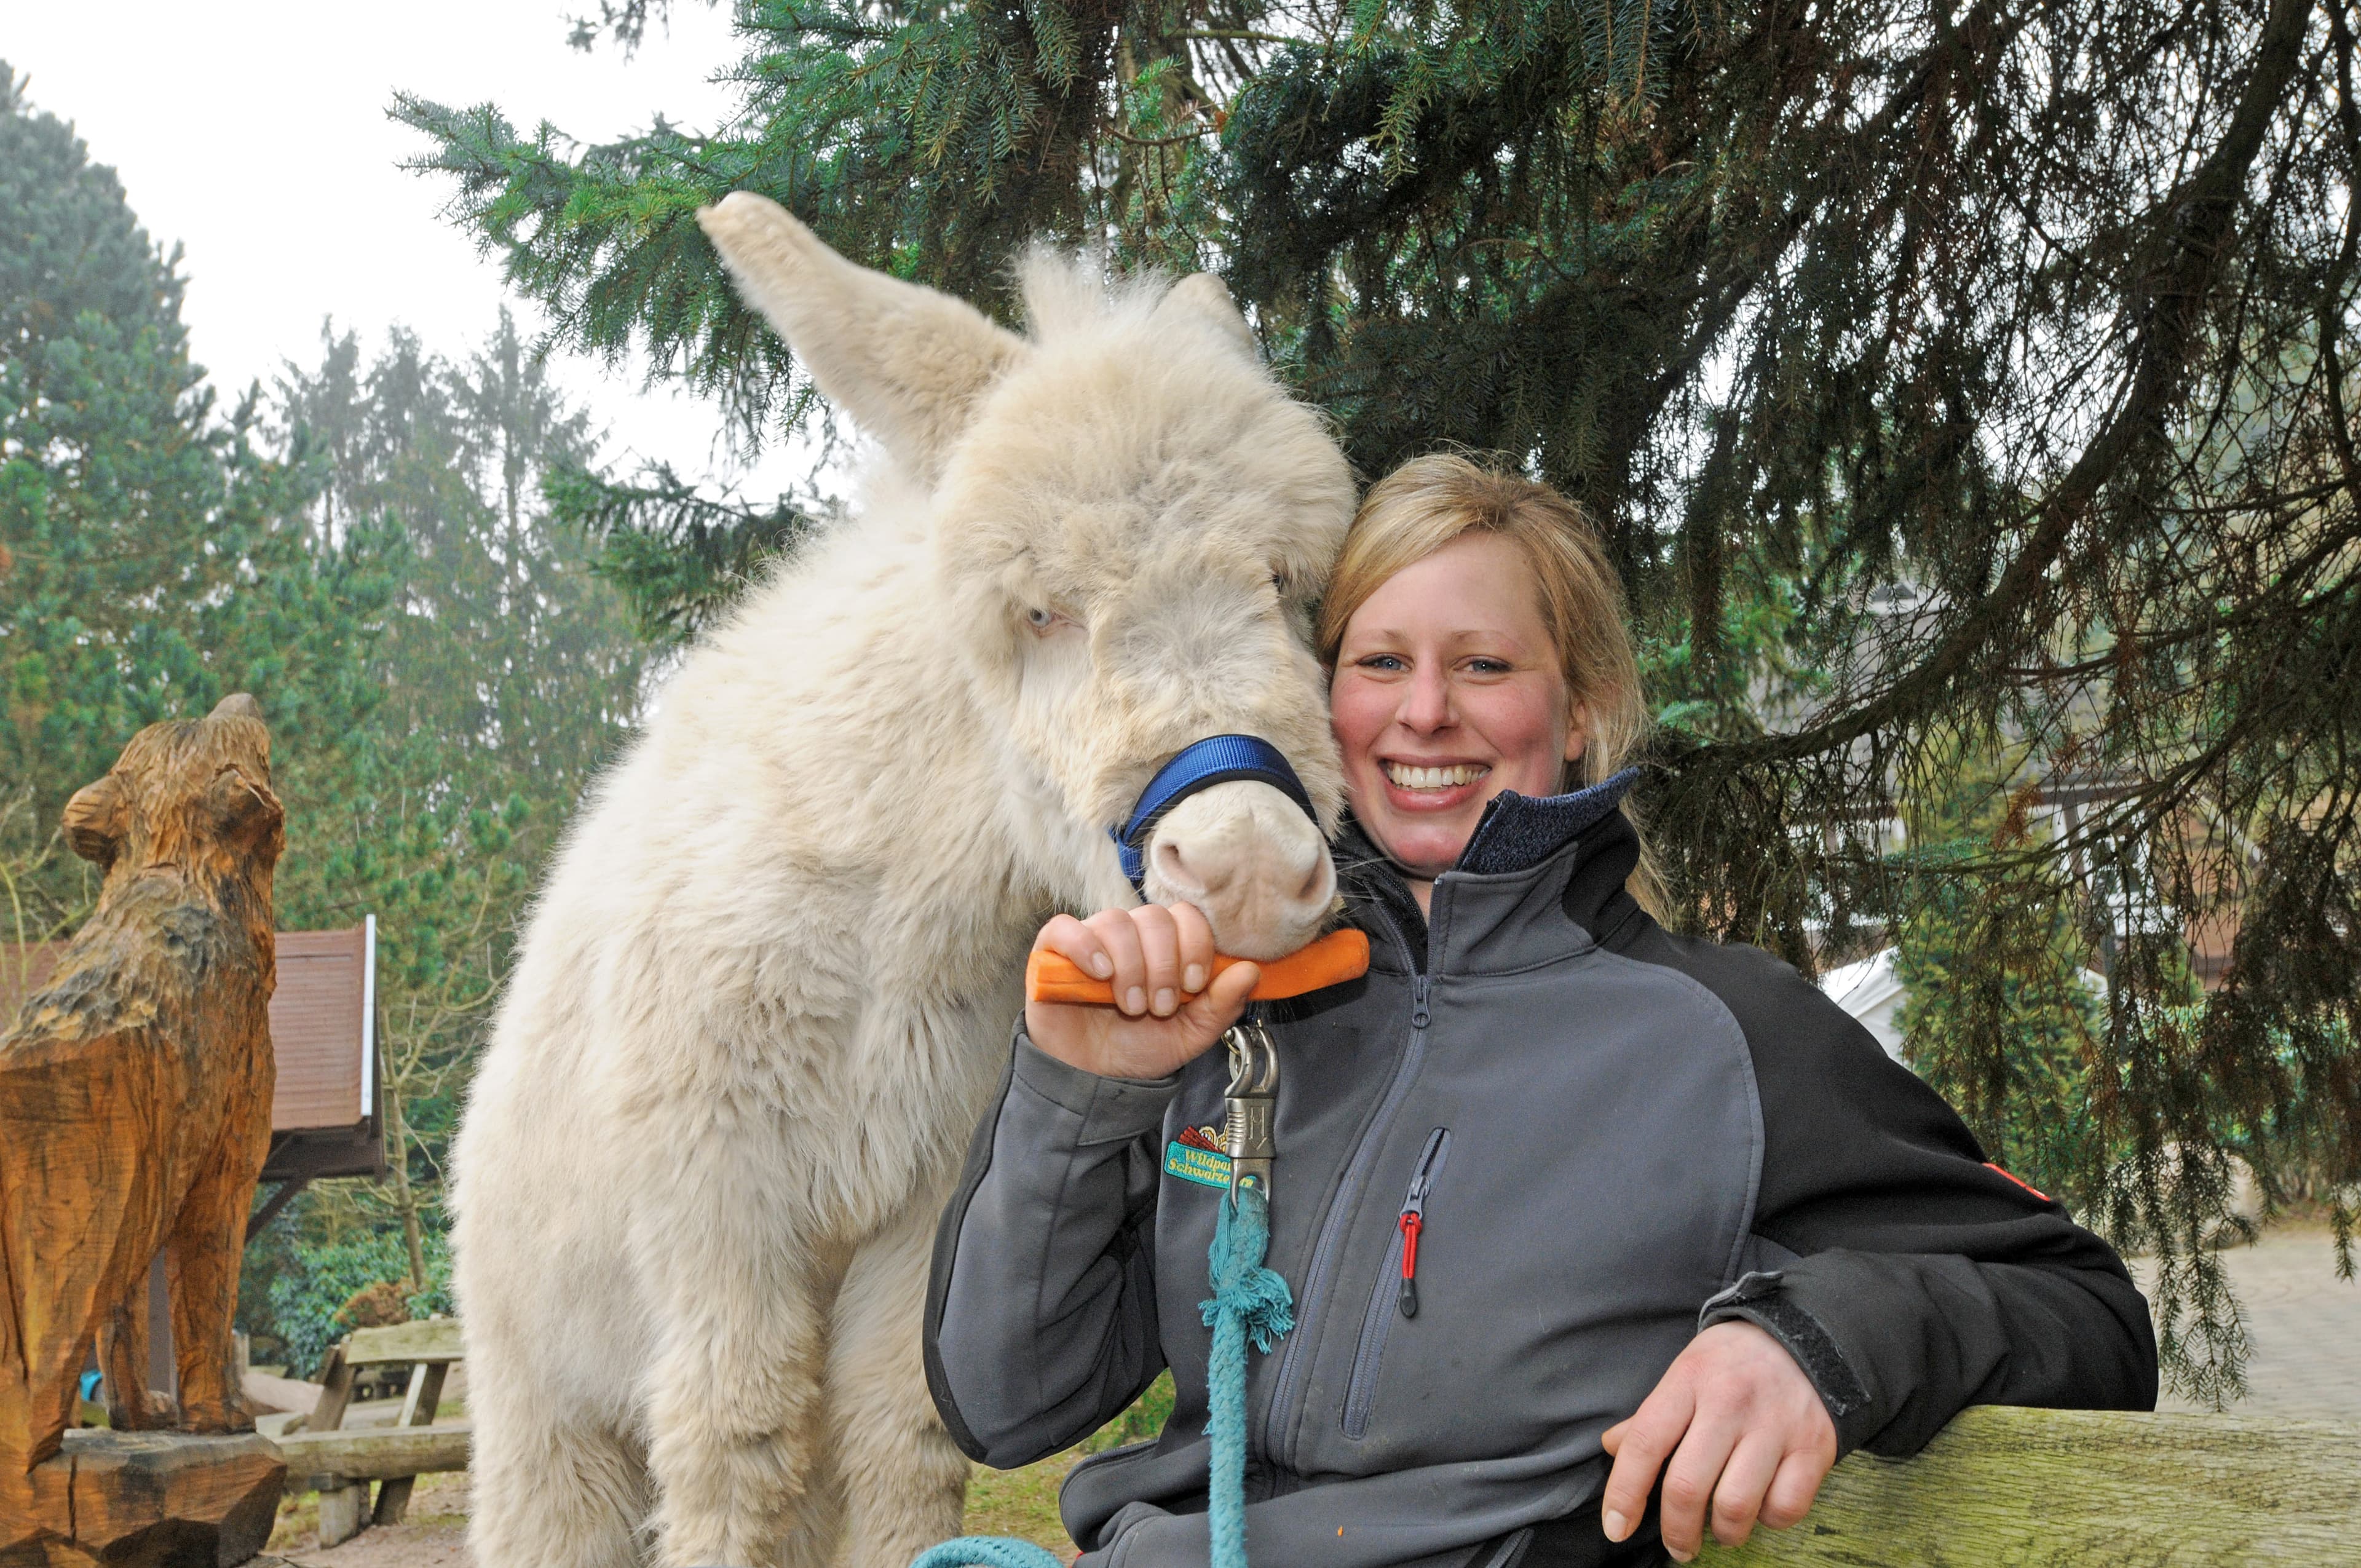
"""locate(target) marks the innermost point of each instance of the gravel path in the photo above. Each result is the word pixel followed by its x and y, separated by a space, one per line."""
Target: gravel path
pixel 2304 1324
pixel 434 1534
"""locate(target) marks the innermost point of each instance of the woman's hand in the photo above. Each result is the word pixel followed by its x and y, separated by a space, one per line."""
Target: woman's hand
pixel 1165 1014
pixel 1745 1430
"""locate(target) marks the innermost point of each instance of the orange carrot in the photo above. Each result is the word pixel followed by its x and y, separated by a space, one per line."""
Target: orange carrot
pixel 1333 960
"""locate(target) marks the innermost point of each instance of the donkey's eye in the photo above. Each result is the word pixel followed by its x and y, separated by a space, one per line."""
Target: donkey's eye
pixel 1040 618
pixel 1279 583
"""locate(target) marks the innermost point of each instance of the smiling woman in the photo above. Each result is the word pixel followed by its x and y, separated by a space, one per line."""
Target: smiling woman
pixel 1568 1201
pixel 1476 633
pixel 1447 693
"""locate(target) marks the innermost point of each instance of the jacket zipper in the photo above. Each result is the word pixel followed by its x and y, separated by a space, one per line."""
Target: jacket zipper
pixel 1395 1290
pixel 1347 1197
pixel 1411 1222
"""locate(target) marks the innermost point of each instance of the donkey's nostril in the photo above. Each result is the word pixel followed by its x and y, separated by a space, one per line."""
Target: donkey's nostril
pixel 1207 871
pixel 1251 861
pixel 1173 865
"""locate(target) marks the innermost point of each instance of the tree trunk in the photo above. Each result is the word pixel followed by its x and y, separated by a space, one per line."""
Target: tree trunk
pixel 405 1201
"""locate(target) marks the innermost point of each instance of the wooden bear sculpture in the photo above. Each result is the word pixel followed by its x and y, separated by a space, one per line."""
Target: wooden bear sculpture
pixel 135 1091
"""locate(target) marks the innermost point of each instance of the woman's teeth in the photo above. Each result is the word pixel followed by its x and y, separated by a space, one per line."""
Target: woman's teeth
pixel 1434 778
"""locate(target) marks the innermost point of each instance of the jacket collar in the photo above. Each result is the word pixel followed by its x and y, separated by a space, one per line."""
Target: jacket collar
pixel 1541 877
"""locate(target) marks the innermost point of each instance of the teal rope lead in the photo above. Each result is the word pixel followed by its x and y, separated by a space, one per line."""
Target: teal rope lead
pixel 1249 1302
pixel 988 1551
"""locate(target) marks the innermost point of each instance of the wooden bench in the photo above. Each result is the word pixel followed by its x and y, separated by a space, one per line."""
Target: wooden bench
pixel 342 1462
pixel 2001 1485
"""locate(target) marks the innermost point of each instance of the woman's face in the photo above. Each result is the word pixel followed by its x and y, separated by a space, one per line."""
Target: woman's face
pixel 1448 691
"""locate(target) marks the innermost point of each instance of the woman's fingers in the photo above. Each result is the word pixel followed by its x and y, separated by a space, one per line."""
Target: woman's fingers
pixel 1120 934
pixel 1169 1009
pixel 1219 1007
pixel 1196 937
pixel 1690 1481
pixel 1736 1427
pixel 1155 957
pixel 1794 1488
pixel 1163 954
pixel 1745 1481
pixel 1078 943
pixel 1642 1446
pixel 1159 949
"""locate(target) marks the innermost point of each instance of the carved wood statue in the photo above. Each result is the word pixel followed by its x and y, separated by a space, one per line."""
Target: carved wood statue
pixel 135 1093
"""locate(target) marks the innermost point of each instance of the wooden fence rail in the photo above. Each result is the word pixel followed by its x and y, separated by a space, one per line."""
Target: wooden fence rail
pixel 2011 1488
pixel 1998 1489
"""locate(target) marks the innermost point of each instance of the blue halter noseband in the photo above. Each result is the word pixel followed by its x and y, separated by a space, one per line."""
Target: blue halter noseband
pixel 1201 764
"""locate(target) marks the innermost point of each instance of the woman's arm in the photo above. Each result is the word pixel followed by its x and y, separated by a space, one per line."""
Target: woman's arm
pixel 1918 1279
pixel 1924 1280
pixel 1041 1312
pixel 1904 1275
pixel 1908 1278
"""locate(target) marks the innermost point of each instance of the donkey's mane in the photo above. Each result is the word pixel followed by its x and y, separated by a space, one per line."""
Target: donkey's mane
pixel 1067 295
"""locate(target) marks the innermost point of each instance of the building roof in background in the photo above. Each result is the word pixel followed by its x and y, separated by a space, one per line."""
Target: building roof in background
pixel 323 1034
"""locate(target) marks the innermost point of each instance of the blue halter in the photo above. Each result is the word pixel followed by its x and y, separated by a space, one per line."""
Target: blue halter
pixel 1201 764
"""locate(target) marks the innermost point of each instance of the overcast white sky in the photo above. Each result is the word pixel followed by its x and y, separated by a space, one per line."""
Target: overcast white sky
pixel 254 133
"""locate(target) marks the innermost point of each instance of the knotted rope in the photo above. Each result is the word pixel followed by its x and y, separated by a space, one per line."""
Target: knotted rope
pixel 1249 1302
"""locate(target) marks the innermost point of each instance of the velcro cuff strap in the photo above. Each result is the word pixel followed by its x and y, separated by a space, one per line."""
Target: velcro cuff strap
pixel 1759 1298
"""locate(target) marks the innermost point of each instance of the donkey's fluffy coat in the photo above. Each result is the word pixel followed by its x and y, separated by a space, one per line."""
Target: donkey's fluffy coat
pixel 768 985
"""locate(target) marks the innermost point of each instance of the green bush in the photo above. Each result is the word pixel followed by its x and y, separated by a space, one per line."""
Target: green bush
pixel 2003 1020
pixel 310 1288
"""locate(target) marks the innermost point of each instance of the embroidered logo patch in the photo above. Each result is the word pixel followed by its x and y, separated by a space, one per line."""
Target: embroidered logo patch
pixel 1196 1155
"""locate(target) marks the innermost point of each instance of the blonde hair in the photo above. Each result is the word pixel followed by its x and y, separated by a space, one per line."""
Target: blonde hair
pixel 1428 502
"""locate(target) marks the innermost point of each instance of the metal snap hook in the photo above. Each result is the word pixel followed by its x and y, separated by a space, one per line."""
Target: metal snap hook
pixel 1251 1102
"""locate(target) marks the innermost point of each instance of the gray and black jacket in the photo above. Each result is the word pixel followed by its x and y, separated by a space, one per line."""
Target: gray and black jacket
pixel 1613 1136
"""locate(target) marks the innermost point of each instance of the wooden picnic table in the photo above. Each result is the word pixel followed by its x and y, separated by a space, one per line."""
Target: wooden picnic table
pixel 343 1461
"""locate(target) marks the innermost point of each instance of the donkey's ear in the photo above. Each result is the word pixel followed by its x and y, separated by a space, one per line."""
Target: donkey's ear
pixel 906 362
pixel 96 818
pixel 1201 297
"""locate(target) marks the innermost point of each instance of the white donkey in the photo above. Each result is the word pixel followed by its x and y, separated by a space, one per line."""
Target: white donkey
pixel 770 982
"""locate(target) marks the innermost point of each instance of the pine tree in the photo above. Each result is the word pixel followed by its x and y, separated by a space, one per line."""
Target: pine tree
pixel 153 556
pixel 2001 1015
pixel 1996 351
pixel 368 552
pixel 506 673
